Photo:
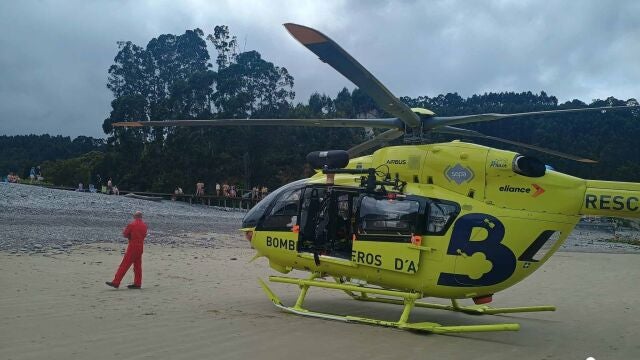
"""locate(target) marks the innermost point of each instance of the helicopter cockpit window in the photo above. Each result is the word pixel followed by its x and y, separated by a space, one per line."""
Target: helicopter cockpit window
pixel 387 220
pixel 257 213
pixel 440 216
pixel 284 213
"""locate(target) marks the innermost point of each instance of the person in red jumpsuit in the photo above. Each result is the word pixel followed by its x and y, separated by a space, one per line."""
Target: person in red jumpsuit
pixel 136 231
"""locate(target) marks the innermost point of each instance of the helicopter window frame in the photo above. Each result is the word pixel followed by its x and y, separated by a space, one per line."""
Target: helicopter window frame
pixel 415 224
pixel 256 215
pixel 450 217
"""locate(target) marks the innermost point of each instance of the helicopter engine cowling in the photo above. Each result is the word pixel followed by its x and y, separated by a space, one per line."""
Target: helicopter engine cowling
pixel 528 166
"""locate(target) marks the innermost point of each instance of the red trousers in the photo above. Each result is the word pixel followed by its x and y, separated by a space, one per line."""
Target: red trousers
pixel 133 255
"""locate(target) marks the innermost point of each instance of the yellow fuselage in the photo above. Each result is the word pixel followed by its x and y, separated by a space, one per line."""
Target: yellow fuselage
pixel 507 226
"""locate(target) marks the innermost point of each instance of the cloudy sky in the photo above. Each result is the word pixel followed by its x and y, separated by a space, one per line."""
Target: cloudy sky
pixel 55 54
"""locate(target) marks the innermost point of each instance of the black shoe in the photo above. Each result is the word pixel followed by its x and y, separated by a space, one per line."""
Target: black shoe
pixel 133 286
pixel 112 284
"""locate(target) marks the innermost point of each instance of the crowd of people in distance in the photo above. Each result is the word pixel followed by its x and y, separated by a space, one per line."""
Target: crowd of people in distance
pixel 109 188
pixel 232 191
pixel 96 185
pixel 12 178
pixel 35 175
pixel 225 190
pixel 259 192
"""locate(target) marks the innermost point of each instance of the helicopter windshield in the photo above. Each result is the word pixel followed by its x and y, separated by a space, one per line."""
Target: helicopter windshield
pixel 284 212
pixel 256 214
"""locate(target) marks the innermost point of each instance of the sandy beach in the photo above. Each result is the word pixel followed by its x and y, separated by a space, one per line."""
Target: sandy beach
pixel 201 303
pixel 201 299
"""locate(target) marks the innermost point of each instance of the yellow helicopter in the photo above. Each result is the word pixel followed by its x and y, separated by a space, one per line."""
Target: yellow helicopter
pixel 450 220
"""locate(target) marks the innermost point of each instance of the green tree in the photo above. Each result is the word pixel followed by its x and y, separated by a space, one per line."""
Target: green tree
pixel 252 86
pixel 133 71
pixel 70 172
pixel 177 58
pixel 225 44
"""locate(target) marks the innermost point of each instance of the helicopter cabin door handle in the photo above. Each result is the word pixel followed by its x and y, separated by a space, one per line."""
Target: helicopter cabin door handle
pixel 423 248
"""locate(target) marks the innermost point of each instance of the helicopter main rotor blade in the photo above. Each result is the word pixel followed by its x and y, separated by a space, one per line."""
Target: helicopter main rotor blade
pixel 331 53
pixel 473 133
pixel 380 139
pixel 439 121
pixel 386 123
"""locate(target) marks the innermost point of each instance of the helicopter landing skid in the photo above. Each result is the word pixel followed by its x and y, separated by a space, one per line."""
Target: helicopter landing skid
pixel 408 301
pixel 473 309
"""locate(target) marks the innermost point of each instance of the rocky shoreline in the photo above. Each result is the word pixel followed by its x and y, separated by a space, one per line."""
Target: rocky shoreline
pixel 38 220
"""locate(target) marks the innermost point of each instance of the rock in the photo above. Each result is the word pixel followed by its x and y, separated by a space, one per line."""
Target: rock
pixel 37 246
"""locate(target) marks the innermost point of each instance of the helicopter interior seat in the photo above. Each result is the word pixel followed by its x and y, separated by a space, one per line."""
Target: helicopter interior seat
pixel 308 220
pixel 342 223
pixel 340 238
pixel 319 222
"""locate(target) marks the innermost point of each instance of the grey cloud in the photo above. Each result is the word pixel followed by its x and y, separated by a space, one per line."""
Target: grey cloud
pixel 55 55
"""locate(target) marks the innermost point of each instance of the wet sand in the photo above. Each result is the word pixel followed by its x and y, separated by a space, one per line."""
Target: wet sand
pixel 199 303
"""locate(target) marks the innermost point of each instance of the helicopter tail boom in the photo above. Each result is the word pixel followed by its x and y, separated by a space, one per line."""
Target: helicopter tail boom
pixel 609 198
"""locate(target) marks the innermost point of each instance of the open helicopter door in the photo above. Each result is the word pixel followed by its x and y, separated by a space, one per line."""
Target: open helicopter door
pixel 343 224
pixel 386 232
pixel 327 222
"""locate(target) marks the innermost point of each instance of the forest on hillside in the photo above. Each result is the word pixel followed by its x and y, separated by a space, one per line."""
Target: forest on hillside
pixel 19 153
pixel 173 77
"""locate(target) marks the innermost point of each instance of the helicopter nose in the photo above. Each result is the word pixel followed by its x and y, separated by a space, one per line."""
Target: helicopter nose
pixel 248 234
